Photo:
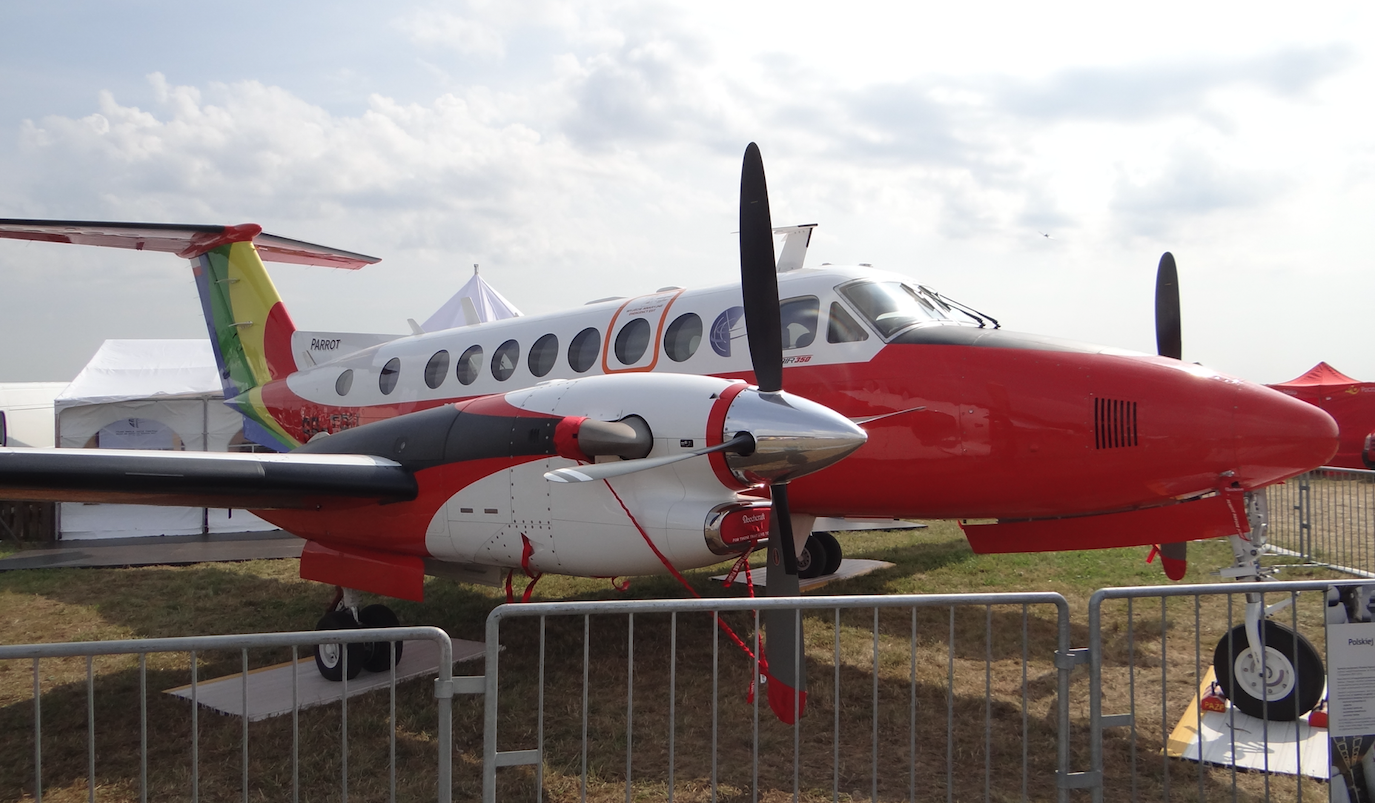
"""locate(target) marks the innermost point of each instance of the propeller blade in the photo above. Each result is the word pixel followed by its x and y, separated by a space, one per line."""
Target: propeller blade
pixel 787 669
pixel 1167 334
pixel 759 275
pixel 605 471
pixel 1174 559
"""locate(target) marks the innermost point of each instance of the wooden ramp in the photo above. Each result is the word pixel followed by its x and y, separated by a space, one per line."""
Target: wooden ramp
pixel 1234 739
pixel 268 691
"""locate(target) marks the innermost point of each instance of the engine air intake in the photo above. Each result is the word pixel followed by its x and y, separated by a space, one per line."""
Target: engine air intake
pixel 1114 423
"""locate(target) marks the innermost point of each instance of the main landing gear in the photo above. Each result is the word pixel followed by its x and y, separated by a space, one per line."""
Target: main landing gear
pixel 820 556
pixel 333 660
pixel 1266 669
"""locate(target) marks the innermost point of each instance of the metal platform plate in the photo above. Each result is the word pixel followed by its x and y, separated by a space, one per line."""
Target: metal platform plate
pixel 270 691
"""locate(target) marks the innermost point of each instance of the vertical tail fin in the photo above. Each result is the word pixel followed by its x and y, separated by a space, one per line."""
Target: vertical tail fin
pixel 249 328
pixel 250 331
pixel 248 324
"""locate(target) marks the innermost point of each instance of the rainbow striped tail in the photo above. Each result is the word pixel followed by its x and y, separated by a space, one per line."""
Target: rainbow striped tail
pixel 249 326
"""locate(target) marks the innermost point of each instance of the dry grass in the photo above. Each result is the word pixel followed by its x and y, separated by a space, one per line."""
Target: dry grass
pixel 881 713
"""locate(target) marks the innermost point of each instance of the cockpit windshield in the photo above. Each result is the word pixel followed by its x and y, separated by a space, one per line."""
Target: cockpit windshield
pixel 893 306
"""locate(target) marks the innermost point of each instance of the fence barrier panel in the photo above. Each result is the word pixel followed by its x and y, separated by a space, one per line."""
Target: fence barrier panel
pixel 205 757
pixel 922 697
pixel 1327 518
pixel 1151 651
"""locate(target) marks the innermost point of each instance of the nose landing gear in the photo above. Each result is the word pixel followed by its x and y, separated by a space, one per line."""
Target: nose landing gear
pixel 335 660
pixel 1266 669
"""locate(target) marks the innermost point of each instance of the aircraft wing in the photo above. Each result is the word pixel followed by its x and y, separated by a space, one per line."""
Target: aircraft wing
pixel 199 479
pixel 187 240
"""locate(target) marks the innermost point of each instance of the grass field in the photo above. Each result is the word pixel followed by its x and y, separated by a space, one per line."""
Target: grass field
pixel 986 651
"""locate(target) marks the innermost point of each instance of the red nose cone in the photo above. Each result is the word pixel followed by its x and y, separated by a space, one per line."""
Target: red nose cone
pixel 1278 437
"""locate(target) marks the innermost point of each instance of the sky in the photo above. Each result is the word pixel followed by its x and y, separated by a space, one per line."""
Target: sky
pixel 1030 160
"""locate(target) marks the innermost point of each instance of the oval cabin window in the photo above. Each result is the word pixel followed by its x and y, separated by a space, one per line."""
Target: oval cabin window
pixel 582 352
pixel 436 369
pixel 469 365
pixel 683 337
pixel 632 341
pixel 391 372
pixel 504 360
pixel 543 355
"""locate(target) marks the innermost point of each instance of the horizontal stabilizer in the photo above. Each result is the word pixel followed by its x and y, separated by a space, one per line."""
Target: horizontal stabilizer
pixel 198 479
pixel 187 241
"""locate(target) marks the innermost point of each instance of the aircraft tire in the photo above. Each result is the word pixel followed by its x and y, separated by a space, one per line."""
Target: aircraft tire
pixel 834 554
pixel 1294 675
pixel 378 657
pixel 329 658
pixel 812 562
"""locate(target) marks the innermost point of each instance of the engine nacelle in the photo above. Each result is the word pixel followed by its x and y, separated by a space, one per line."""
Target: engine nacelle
pixel 692 511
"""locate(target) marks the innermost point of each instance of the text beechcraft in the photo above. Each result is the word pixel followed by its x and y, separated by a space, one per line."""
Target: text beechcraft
pixel 633 435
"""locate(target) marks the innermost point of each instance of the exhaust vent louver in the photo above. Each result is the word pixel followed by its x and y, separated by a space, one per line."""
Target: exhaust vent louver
pixel 1114 423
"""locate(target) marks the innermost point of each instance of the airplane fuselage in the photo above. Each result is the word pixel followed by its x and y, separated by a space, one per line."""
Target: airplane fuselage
pixel 988 424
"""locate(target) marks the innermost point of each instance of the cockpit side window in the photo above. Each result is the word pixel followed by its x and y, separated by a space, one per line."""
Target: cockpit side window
pixel 890 306
pixel 842 326
pixel 798 317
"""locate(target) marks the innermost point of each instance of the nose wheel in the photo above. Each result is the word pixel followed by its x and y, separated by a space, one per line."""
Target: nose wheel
pixel 1282 685
pixel 820 556
pixel 330 659
pixel 334 660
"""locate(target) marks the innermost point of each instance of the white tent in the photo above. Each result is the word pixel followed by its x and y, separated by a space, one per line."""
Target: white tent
pixel 149 394
pixel 483 302
pixel 28 409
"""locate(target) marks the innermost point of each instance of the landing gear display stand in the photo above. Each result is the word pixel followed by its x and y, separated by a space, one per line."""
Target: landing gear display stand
pixel 1351 699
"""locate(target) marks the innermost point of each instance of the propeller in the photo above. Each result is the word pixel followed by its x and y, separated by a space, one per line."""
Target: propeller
pixel 787 680
pixel 1174 557
pixel 1167 337
pixel 777 438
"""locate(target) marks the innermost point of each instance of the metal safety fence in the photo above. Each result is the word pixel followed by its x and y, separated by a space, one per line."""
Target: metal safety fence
pixel 933 697
pixel 353 748
pixel 910 697
pixel 1152 652
pixel 1326 517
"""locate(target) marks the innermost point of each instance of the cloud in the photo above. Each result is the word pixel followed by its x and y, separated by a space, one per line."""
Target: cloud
pixel 1190 185
pixel 431 27
pixel 1144 91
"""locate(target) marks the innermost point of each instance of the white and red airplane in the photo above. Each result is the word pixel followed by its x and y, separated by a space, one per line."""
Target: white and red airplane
pixel 565 443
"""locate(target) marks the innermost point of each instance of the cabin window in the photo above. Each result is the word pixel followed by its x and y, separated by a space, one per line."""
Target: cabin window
pixel 842 327
pixel 582 352
pixel 890 306
pixel 798 318
pixel 683 337
pixel 632 341
pixel 543 355
pixel 390 373
pixel 469 365
pixel 344 383
pixel 504 360
pixel 436 369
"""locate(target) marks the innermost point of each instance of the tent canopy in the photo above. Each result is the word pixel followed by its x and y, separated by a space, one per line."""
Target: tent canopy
pixel 1319 375
pixel 487 304
pixel 129 370
pixel 28 408
pixel 1350 401
pixel 149 394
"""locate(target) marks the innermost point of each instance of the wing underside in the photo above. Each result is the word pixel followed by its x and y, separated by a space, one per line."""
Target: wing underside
pixel 199 479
